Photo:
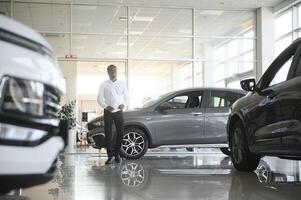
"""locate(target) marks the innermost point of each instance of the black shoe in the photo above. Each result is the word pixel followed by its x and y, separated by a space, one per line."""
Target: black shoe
pixel 109 161
pixel 117 158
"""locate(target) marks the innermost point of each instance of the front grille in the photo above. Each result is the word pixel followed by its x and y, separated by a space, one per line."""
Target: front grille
pixel 51 102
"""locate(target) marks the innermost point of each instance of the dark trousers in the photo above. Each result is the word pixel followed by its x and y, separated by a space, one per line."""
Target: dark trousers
pixel 113 140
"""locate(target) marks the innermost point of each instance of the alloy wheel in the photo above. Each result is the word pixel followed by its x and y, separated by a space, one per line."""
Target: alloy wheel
pixel 132 175
pixel 133 144
pixel 237 146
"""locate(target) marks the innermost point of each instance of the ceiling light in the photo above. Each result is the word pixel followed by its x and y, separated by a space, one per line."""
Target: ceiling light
pixel 143 19
pixel 211 12
pixel 53 35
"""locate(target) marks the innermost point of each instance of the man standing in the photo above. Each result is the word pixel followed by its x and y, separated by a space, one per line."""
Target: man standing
pixel 113 97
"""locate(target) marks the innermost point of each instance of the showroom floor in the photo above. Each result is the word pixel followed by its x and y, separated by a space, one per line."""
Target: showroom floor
pixel 83 176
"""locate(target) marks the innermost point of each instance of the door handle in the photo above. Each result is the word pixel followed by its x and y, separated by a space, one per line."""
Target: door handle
pixel 273 95
pixel 197 113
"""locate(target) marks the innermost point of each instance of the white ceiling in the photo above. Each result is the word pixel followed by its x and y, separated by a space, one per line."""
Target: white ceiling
pixel 144 20
pixel 221 4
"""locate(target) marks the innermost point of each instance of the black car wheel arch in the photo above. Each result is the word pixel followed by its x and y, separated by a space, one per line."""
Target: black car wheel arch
pixel 241 156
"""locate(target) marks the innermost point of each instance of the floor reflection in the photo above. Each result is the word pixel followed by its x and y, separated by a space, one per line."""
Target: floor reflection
pixel 84 176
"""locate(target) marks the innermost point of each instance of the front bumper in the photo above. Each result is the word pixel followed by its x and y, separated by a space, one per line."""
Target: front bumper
pixel 26 155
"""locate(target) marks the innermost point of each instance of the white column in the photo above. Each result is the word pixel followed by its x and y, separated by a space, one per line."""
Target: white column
pixel 208 52
pixel 265 43
pixel 69 69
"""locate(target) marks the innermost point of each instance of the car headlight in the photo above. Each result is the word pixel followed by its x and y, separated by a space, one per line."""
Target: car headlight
pixel 99 123
pixel 23 96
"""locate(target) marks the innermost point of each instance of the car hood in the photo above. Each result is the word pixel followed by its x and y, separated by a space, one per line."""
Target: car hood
pixel 23 63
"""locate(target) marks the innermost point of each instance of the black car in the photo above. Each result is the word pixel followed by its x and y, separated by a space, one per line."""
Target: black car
pixel 267 121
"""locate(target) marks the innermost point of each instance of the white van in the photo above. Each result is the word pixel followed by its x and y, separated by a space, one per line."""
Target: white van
pixel 31 135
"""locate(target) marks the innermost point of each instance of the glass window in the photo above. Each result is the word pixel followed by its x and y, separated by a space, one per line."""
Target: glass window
pixel 99 19
pixel 219 73
pixel 281 75
pixel 148 79
pixel 161 47
pixel 43 17
pixel 189 100
pixel 178 102
pixel 234 85
pixel 99 46
pixel 221 99
pixel 299 16
pixel 91 74
pixel 283 44
pixel 223 23
pixel 5 8
pixel 284 24
pixel 160 21
pixel 198 74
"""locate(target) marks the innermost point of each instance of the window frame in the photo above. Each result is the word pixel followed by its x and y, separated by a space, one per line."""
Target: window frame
pixel 230 92
pixel 292 50
pixel 200 92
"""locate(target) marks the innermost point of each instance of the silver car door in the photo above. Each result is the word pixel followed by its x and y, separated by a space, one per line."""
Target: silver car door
pixel 217 113
pixel 183 124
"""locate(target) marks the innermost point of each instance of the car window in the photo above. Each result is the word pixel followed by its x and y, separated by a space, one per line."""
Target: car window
pixel 280 69
pixel 178 102
pixel 187 100
pixel 222 99
pixel 281 75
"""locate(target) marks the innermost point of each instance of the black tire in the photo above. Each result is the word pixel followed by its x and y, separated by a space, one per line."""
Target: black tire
pixel 242 158
pixel 225 151
pixel 134 144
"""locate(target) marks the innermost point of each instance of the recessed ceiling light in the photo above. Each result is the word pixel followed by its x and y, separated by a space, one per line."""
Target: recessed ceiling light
pixel 211 12
pixel 143 19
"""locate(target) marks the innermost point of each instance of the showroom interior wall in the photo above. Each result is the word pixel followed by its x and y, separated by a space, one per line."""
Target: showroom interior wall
pixel 158 49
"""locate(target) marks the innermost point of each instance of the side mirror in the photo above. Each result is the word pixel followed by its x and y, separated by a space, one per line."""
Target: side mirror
pixel 164 106
pixel 248 84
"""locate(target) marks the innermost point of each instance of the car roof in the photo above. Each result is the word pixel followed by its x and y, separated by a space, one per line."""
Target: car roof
pixel 209 88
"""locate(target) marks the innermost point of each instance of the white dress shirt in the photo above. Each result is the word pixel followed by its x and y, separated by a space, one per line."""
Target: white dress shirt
pixel 112 94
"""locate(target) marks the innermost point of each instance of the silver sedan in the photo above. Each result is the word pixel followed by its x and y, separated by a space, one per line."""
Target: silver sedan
pixel 194 117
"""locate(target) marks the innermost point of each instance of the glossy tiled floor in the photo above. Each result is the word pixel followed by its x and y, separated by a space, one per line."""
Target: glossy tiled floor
pixel 162 176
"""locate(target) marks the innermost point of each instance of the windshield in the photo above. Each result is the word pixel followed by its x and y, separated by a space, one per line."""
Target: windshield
pixel 153 100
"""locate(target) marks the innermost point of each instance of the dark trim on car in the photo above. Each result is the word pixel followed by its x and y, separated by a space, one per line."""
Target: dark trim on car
pixel 18 40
